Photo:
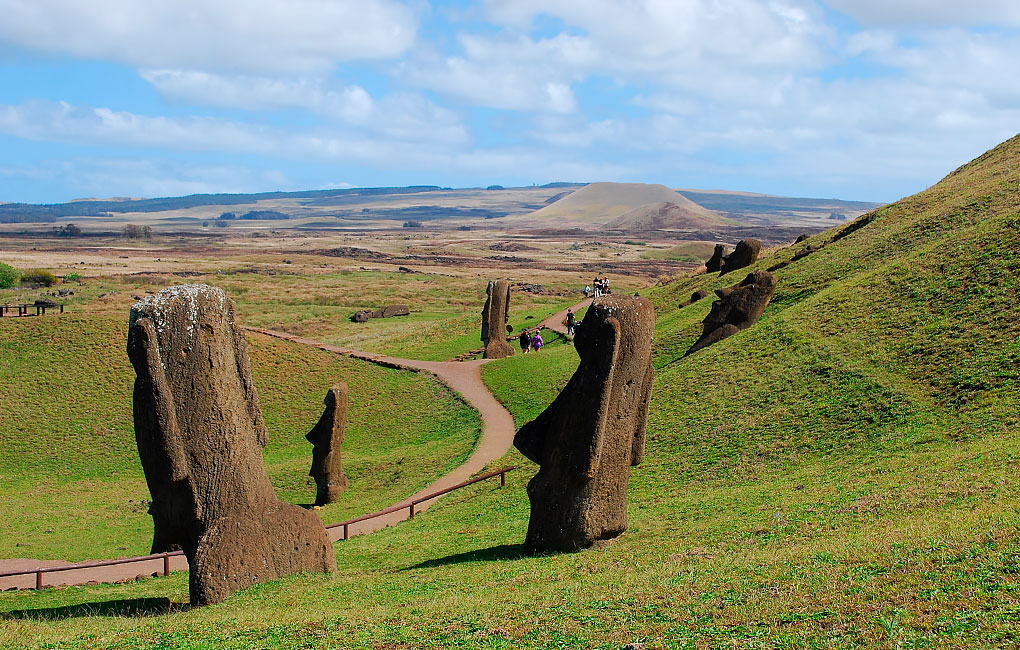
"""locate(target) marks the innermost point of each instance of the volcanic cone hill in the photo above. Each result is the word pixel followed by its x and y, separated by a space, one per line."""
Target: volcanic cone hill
pixel 601 203
pixel 666 216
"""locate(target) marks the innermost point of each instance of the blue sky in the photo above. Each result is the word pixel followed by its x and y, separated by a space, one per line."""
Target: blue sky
pixel 854 99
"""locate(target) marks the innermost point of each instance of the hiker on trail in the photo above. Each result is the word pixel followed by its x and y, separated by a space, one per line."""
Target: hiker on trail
pixel 536 341
pixel 525 342
pixel 570 323
pixel 587 290
pixel 598 287
pixel 605 285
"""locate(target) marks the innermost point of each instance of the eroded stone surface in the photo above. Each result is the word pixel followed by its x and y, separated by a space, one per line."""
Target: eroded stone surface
pixel 200 434
pixel 714 263
pixel 495 316
pixel 590 436
pixel 327 438
pixel 738 308
pixel 745 254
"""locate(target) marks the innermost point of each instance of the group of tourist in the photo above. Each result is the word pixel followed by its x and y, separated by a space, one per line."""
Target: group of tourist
pixel 531 340
pixel 601 284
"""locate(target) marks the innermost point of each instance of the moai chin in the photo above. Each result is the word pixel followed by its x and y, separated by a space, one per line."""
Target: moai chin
pixel 495 316
pixel 327 439
pixel 200 434
pixel 593 432
pixel 738 308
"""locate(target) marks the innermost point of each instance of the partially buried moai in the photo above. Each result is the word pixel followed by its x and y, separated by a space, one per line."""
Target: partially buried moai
pixel 327 438
pixel 738 308
pixel 495 316
pixel 200 436
pixel 593 432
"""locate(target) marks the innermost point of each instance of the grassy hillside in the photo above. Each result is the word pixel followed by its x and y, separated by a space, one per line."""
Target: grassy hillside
pixel 841 475
pixel 71 486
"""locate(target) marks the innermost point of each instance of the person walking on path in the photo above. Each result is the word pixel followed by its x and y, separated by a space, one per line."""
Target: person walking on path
pixel 587 290
pixel 525 341
pixel 537 342
pixel 570 323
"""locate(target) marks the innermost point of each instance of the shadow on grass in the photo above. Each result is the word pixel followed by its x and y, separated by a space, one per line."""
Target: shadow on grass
pixel 494 554
pixel 130 607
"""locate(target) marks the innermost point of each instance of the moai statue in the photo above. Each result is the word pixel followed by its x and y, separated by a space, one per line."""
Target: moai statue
pixel 495 315
pixel 327 437
pixel 594 431
pixel 745 254
pixel 714 263
pixel 738 308
pixel 200 436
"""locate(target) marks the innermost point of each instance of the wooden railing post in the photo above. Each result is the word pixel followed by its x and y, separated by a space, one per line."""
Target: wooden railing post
pixel 166 564
pixel 411 509
pixel 345 532
pixel 502 479
pixel 38 580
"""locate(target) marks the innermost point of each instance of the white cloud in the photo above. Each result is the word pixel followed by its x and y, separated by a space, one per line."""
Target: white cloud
pixel 276 36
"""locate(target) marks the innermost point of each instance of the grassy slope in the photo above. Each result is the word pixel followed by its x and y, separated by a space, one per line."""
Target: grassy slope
pixel 841 475
pixel 71 472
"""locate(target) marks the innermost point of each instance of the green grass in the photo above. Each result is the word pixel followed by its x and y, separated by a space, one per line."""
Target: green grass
pixel 72 484
pixel 843 474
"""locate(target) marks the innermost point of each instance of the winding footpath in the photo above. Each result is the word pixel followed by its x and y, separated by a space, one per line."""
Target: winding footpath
pixel 463 377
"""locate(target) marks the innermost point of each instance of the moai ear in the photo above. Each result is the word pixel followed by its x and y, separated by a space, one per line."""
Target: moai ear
pixel 637 453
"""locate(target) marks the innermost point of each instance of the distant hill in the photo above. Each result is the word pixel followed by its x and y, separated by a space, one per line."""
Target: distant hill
pixel 601 203
pixel 666 216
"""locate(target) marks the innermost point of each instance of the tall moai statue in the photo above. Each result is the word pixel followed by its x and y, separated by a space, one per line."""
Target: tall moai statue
pixel 587 440
pixel 495 316
pixel 327 438
pixel 200 435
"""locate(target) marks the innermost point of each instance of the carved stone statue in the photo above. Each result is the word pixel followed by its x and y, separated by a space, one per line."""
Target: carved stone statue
pixel 590 436
pixel 745 254
pixel 327 438
pixel 738 308
pixel 495 316
pixel 200 436
pixel 714 263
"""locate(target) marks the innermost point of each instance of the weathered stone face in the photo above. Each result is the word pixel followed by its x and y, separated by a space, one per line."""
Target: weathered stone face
pixel 738 308
pixel 714 263
pixel 745 254
pixel 327 439
pixel 200 434
pixel 495 316
pixel 590 436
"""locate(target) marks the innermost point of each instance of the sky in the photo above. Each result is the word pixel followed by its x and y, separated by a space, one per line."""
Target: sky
pixel 853 99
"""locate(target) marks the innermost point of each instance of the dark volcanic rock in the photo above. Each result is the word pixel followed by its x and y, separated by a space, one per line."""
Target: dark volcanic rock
pixel 327 438
pixel 714 263
pixel 700 294
pixel 738 308
pixel 801 238
pixel 395 310
pixel 361 316
pixel 495 316
pixel 745 254
pixel 200 435
pixel 590 436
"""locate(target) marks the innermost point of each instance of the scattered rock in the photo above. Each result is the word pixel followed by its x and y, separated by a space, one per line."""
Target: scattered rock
pixel 594 431
pixel 200 435
pixel 744 255
pixel 738 308
pixel 495 316
pixel 801 238
pixel 404 269
pixel 361 316
pixel 327 437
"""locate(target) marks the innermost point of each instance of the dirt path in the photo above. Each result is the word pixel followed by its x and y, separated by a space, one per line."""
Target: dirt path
pixel 463 377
